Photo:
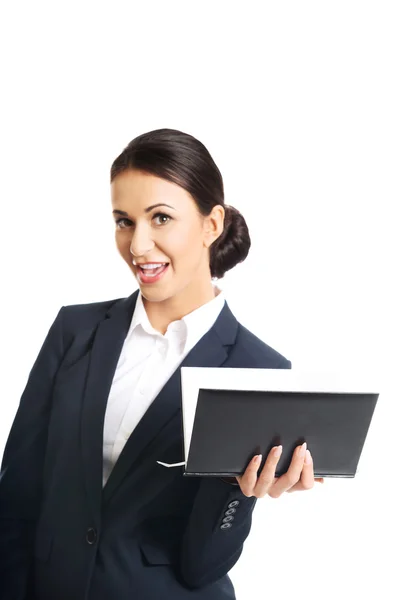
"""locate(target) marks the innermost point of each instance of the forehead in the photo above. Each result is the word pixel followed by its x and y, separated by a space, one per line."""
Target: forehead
pixel 137 188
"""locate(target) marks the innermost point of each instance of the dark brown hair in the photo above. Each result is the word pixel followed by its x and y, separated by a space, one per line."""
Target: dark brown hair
pixel 184 160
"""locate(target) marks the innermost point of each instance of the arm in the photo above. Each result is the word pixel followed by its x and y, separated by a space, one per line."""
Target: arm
pixel 208 551
pixel 22 468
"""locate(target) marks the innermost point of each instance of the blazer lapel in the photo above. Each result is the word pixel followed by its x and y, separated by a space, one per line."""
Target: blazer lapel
pixel 210 351
pixel 104 354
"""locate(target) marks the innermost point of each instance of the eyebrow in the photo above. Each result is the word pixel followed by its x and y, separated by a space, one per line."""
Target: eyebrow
pixel 146 210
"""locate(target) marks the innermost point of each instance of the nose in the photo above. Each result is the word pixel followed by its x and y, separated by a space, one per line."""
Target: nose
pixel 141 242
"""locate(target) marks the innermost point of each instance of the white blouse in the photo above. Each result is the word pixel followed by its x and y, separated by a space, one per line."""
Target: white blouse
pixel 147 361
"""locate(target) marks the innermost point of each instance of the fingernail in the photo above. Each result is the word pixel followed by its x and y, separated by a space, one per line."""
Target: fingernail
pixel 277 451
pixel 303 449
pixel 257 458
pixel 308 457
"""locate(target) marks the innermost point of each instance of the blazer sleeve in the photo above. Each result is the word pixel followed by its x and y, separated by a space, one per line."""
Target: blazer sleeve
pixel 209 549
pixel 22 468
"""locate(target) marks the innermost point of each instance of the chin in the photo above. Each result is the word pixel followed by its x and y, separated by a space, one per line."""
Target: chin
pixel 154 295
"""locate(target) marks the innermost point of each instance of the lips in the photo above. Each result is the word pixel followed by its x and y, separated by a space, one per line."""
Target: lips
pixel 151 275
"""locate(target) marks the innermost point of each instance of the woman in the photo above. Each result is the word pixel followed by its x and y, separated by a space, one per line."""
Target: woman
pixel 86 511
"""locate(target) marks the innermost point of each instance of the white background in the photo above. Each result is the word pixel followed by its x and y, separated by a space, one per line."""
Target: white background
pixel 298 103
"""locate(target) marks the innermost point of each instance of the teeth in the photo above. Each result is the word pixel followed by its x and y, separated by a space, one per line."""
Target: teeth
pixel 152 265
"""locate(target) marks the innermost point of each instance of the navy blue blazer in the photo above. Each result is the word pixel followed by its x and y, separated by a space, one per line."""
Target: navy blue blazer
pixel 150 533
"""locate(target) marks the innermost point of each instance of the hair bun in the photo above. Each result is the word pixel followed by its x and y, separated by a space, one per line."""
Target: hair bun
pixel 232 246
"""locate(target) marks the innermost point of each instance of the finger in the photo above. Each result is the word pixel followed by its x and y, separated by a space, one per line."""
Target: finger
pixel 306 481
pixel 267 476
pixel 248 480
pixel 307 473
pixel 292 475
pixel 297 487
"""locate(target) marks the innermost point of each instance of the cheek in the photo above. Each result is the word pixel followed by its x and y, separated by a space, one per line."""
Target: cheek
pixel 123 246
pixel 184 246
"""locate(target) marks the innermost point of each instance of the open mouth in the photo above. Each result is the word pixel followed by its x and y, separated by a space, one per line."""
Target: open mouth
pixel 152 273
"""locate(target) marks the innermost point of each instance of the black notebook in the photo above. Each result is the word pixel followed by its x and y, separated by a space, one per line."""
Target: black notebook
pixel 229 415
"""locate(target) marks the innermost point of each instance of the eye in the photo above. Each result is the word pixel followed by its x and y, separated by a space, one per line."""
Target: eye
pixel 118 222
pixel 162 215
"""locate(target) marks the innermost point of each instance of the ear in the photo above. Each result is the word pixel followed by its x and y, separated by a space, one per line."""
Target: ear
pixel 213 225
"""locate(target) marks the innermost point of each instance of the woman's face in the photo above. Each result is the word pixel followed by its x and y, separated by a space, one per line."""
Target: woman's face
pixel 157 222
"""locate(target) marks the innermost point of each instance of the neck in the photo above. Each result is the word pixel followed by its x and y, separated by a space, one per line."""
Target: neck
pixel 161 314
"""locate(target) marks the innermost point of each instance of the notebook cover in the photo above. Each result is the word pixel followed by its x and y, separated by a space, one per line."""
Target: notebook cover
pixel 231 426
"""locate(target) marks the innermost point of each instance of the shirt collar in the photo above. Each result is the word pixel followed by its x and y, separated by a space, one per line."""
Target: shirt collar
pixel 197 323
pixel 200 320
pixel 140 317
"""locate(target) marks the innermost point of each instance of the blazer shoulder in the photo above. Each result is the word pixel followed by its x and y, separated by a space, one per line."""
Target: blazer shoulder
pixel 85 315
pixel 254 353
